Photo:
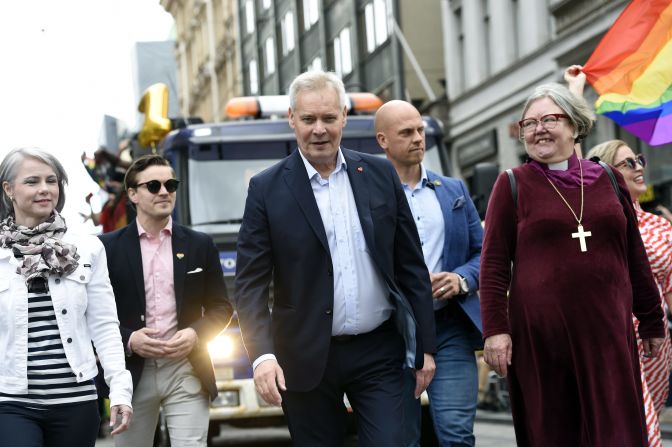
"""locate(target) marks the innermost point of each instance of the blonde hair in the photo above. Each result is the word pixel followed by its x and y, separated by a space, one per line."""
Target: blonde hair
pixel 606 151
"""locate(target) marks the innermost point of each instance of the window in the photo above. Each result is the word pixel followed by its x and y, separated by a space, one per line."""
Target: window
pixel 310 14
pixel 377 32
pixel 342 53
pixel 266 4
pixel 316 64
pixel 254 77
pixel 287 27
pixel 270 56
pixel 249 16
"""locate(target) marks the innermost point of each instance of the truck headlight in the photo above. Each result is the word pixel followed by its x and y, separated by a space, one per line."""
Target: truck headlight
pixel 228 398
pixel 221 347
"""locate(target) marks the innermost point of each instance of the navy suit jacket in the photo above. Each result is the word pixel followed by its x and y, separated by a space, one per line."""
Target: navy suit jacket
pixel 464 237
pixel 282 239
pixel 200 296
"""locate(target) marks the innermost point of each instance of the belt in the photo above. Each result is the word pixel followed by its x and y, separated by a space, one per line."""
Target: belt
pixel 386 325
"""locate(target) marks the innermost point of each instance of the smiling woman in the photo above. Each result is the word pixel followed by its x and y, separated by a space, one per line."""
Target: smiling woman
pixel 563 269
pixel 54 286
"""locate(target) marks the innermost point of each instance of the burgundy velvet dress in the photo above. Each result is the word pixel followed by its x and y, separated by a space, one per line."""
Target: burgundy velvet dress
pixel 574 379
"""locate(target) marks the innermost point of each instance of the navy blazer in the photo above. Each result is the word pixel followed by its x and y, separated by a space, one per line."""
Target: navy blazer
pixel 464 237
pixel 200 295
pixel 282 239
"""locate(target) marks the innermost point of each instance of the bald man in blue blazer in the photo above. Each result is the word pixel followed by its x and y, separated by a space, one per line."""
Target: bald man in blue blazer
pixel 451 234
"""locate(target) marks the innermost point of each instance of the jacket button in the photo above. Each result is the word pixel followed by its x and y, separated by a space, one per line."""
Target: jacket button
pixel 69 340
pixel 57 281
pixel 64 311
pixel 82 277
pixel 81 375
pixel 328 312
pixel 330 272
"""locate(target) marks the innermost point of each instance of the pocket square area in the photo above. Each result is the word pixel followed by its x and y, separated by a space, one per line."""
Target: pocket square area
pixel 196 270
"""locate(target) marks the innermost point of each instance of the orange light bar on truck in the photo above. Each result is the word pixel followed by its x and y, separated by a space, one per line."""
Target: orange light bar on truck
pixel 278 105
pixel 241 107
pixel 364 102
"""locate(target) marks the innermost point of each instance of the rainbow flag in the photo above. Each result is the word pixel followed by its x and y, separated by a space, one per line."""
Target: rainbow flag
pixel 631 70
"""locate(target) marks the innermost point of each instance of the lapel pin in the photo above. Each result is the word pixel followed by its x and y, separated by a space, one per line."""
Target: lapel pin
pixel 180 255
pixel 437 182
pixel 360 169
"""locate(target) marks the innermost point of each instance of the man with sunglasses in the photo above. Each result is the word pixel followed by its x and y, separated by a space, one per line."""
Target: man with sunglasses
pixel 171 300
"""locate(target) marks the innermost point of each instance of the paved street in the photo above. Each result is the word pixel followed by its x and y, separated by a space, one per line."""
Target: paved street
pixel 488 434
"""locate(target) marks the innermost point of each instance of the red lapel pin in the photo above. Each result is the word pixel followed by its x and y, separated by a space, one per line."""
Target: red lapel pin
pixel 360 169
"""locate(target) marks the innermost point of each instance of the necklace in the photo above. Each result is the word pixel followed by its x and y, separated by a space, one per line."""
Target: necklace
pixel 580 234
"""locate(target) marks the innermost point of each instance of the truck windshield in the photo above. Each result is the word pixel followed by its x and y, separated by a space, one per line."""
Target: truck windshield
pixel 219 177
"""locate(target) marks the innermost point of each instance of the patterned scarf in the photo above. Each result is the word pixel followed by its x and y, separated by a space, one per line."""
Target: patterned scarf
pixel 43 251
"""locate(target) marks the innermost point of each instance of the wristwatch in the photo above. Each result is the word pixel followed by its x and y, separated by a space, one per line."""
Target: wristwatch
pixel 464 285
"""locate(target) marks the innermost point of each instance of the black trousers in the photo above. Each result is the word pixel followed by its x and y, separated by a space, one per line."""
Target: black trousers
pixel 73 425
pixel 368 368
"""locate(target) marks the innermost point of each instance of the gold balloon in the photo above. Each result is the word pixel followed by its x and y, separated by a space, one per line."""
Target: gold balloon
pixel 154 104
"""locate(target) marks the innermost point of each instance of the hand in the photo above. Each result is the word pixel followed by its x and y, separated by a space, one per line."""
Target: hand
pixel 125 413
pixel 425 375
pixel 445 285
pixel 268 377
pixel 181 344
pixel 576 79
pixel 497 353
pixel 145 346
pixel 652 346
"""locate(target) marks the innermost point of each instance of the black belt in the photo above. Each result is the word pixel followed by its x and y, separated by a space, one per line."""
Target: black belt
pixel 386 325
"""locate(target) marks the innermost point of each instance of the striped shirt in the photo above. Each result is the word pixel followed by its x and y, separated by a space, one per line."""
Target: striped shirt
pixel 657 237
pixel 51 380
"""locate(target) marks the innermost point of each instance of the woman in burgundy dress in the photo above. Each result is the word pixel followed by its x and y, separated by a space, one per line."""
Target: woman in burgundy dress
pixel 562 272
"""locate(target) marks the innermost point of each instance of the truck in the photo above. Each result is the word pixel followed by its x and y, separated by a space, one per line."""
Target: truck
pixel 214 163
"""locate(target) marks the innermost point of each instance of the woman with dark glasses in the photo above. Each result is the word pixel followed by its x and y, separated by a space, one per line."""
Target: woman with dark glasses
pixel 657 236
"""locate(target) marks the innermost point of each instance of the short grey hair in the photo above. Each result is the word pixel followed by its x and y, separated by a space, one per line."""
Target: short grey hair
pixel 316 80
pixel 10 166
pixel 580 114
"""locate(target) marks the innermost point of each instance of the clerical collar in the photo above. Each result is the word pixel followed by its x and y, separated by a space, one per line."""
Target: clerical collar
pixel 560 166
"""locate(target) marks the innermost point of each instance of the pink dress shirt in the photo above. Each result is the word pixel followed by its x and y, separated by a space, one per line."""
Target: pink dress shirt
pixel 157 268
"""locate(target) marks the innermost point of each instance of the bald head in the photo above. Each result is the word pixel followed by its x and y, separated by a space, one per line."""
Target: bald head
pixel 400 131
pixel 391 111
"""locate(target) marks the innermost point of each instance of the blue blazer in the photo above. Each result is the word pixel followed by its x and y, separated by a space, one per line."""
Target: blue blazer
pixel 282 239
pixel 464 236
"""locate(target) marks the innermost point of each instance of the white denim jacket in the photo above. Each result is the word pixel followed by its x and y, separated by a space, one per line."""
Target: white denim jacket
pixel 85 311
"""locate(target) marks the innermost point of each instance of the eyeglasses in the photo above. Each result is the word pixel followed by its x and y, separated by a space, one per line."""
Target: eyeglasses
pixel 548 122
pixel 154 186
pixel 632 162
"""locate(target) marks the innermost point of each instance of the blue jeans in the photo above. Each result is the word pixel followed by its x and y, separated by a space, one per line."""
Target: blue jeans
pixel 453 392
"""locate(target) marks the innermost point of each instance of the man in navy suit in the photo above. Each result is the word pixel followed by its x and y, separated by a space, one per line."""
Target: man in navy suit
pixel 332 230
pixel 171 300
pixel 451 233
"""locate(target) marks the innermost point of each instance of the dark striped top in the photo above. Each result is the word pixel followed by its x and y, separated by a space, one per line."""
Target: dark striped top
pixel 51 380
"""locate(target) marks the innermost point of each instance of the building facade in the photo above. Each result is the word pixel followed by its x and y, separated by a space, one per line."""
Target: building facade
pixel 497 51
pixel 207 55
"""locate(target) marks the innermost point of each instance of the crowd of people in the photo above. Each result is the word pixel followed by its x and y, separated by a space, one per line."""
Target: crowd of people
pixel 385 284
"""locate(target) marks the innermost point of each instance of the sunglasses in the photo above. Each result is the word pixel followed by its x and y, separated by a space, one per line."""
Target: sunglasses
pixel 632 162
pixel 154 186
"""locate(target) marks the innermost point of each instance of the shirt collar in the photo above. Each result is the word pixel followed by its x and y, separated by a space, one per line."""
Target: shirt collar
pixel 424 179
pixel 168 229
pixel 312 172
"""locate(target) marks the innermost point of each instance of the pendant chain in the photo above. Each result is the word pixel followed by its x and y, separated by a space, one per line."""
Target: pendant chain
pixel 578 219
